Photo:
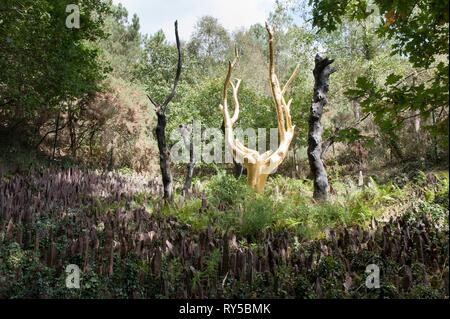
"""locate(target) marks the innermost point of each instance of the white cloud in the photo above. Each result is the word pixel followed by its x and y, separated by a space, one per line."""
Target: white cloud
pixel 161 14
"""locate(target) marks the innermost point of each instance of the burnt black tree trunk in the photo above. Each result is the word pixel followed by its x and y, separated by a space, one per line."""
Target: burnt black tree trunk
pixel 164 155
pixel 187 134
pixel 73 134
pixel 322 72
pixel 239 169
pixel 164 152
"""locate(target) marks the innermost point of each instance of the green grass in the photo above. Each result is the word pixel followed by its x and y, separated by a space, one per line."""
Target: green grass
pixel 287 204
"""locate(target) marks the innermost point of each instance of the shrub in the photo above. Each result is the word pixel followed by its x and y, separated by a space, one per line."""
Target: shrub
pixel 224 191
pixel 258 214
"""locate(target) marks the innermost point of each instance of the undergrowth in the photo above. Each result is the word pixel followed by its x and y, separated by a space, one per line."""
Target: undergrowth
pixel 287 204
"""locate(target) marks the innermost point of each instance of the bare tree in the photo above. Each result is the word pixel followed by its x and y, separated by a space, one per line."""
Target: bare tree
pixel 260 166
pixel 322 72
pixel 239 169
pixel 164 152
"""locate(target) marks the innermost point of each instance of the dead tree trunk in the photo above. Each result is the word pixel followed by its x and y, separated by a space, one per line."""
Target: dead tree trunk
pixel 322 72
pixel 73 134
pixel 164 152
pixel 164 155
pixel 111 159
pixel 238 169
pixel 55 140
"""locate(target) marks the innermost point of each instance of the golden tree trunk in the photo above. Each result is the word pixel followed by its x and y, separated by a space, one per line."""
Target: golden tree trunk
pixel 260 166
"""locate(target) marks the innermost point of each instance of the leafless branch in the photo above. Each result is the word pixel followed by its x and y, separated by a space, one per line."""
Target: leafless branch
pixel 179 66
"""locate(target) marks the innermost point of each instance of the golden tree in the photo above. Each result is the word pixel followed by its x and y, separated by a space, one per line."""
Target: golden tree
pixel 260 166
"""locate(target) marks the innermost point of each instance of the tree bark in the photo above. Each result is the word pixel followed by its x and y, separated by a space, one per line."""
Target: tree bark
pixel 73 134
pixel 239 169
pixel 322 72
pixel 164 155
pixel 55 141
pixel 111 159
pixel 435 142
pixel 164 152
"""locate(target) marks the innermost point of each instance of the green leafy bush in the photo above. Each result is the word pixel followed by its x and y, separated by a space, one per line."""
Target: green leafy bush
pixel 224 191
pixel 258 214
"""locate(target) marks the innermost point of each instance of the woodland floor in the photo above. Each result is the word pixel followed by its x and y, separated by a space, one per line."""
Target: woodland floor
pixel 223 242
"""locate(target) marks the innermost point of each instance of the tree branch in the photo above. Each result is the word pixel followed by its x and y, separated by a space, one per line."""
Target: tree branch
pixel 179 66
pixel 169 98
pixel 50 132
pixel 330 141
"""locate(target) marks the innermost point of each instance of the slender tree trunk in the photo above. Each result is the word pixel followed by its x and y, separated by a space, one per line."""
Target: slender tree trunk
pixel 189 174
pixel 417 114
pixel 91 142
pixel 164 152
pixel 435 142
pixel 356 110
pixel 294 160
pixel 73 135
pixel 164 155
pixel 395 148
pixel 238 169
pixel 111 159
pixel 188 142
pixel 55 141
pixel 322 72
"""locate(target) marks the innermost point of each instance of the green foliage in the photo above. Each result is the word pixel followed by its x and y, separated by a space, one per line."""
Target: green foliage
pixel 190 213
pixel 226 191
pixel 309 220
pixel 210 270
pixel 91 82
pixel 258 214
pixel 159 66
pixel 46 64
pixel 287 204
pixel 210 41
pixel 419 30
pixel 122 48
pixel 171 273
pixel 390 102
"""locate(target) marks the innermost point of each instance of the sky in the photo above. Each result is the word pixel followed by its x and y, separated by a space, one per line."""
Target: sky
pixel 161 14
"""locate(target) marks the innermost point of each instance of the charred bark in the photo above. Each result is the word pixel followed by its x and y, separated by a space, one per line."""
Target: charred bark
pixel 111 159
pixel 164 152
pixel 239 169
pixel 164 155
pixel 322 72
